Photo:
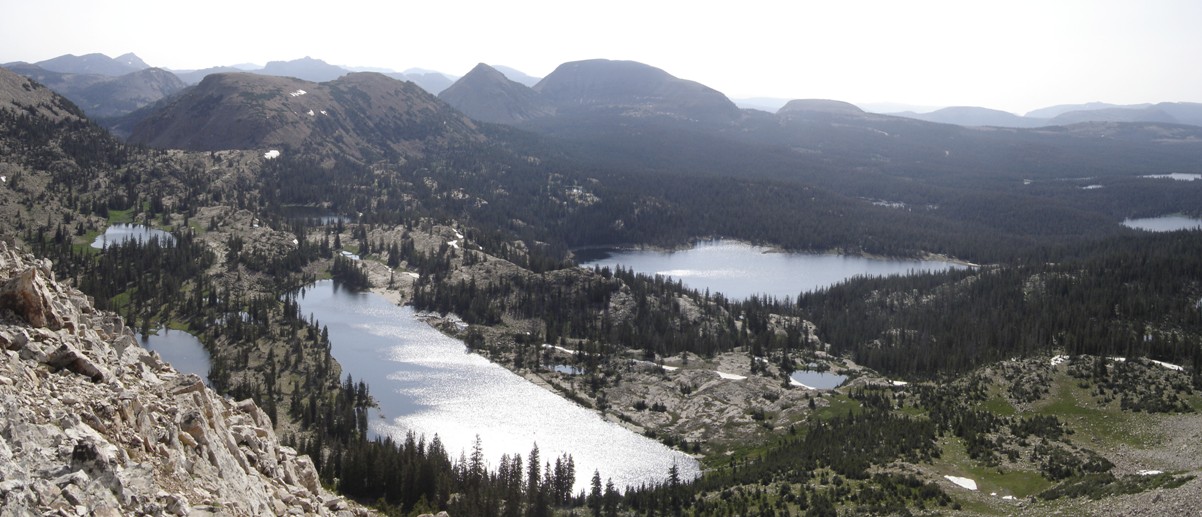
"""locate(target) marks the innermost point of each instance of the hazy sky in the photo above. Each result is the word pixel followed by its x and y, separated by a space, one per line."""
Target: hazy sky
pixel 1010 55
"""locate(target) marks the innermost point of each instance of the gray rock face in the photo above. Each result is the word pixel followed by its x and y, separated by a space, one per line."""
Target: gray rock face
pixel 91 423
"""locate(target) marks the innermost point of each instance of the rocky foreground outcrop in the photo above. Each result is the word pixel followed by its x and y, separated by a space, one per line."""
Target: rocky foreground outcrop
pixel 93 424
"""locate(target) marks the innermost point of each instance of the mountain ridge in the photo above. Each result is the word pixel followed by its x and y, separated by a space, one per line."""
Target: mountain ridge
pixel 358 114
pixel 316 70
pixel 95 63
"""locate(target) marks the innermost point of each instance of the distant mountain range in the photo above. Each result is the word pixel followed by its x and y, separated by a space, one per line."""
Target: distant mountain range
pixel 94 64
pixel 112 88
pixel 103 87
pixel 109 88
pixel 1062 115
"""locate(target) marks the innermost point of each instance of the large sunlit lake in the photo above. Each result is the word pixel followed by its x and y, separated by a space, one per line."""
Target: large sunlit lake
pixel 739 270
pixel 427 382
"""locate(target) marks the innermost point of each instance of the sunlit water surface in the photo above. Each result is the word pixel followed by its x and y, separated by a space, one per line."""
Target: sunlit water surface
pixel 817 380
pixel 739 270
pixel 121 232
pixel 427 383
pixel 1164 223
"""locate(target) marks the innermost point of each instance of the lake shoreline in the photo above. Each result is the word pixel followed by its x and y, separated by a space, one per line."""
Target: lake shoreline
pixel 767 248
pixel 740 270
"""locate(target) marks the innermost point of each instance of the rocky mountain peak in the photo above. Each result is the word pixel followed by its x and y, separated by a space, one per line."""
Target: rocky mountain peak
pixel 131 60
pixel 92 423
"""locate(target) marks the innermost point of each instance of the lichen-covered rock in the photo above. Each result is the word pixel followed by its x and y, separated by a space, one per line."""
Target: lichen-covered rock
pixel 91 423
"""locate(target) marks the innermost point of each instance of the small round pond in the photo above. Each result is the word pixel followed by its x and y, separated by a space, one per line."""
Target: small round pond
pixel 117 234
pixel 181 349
pixel 816 380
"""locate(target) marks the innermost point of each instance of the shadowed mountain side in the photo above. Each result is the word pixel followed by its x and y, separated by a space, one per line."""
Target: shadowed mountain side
pixel 634 89
pixel 485 94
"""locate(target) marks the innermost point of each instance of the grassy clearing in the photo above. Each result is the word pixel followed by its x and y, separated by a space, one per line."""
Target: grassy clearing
pixel 1092 423
pixel 121 216
pixel 998 405
pixel 954 461
pixel 840 405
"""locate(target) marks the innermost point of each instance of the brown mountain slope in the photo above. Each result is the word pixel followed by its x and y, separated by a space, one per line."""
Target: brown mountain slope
pixel 21 94
pixel 366 116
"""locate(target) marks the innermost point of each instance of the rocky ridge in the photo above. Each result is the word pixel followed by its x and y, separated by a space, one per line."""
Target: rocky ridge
pixel 90 422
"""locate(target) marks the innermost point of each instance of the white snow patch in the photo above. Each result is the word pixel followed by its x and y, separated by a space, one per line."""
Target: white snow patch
pixel 560 348
pixel 323 112
pixel 898 383
pixel 3 179
pixel 310 113
pixel 963 482
pixel 271 154
pixel 298 93
pixel 1008 497
pixel 1026 182
pixel 415 276
pixel 453 244
pixel 730 376
pixel 350 255
pixel 1179 176
pixel 1150 472
pixel 669 368
pixel 458 235
pixel 1170 366
pixel 295 242
pixel 1057 360
pixel 1091 187
pixel 793 382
